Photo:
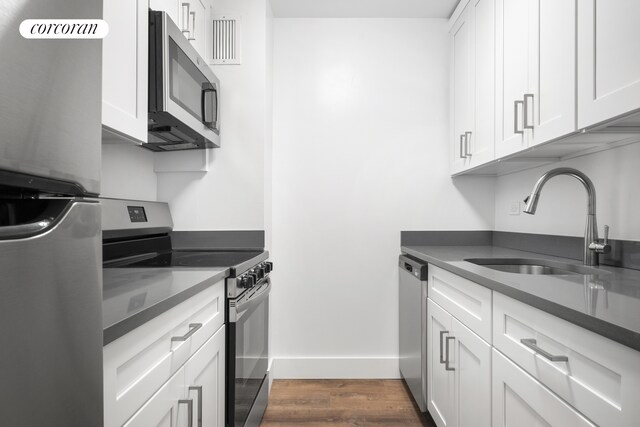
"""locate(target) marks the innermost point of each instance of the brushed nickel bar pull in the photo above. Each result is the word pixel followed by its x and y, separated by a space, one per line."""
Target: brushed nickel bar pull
pixel 462 156
pixel 515 116
pixel 532 344
pixel 526 111
pixel 189 403
pixel 467 138
pixel 446 364
pixel 198 389
pixel 442 360
pixel 193 327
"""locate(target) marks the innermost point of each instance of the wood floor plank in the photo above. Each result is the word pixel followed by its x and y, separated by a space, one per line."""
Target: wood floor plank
pixel 342 403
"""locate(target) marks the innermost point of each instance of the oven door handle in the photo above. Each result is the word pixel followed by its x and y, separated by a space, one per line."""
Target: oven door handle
pixel 255 299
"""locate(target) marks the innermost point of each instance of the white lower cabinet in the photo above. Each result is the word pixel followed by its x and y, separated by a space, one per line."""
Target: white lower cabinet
pixel 459 372
pixel 536 369
pixel 204 378
pixel 521 401
pixel 196 391
pixel 170 367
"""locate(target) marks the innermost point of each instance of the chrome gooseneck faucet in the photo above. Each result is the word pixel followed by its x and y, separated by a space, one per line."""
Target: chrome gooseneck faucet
pixel 592 246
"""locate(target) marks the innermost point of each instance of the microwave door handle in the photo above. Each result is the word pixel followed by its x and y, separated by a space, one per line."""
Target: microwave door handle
pixel 208 88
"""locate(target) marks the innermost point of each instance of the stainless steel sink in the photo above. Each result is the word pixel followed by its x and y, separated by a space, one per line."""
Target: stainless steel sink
pixel 533 266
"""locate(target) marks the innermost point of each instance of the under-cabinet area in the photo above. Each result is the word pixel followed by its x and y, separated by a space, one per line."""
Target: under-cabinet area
pixel 281 213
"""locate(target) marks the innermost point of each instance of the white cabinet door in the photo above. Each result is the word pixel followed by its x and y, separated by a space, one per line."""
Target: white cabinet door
pixel 512 74
pixel 124 68
pixel 608 59
pixel 481 139
pixel 458 372
pixel 472 364
pixel 167 408
pixel 205 379
pixel 461 101
pixel 550 105
pixel 198 22
pixel 440 382
pixel 521 401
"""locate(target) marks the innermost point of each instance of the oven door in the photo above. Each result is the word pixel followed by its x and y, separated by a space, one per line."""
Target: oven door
pixel 247 361
pixel 184 106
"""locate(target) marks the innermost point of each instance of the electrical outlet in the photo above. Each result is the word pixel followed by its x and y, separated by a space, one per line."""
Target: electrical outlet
pixel 514 208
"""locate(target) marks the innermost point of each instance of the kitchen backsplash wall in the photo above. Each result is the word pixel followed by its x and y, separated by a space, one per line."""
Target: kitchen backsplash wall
pixel 563 201
pixel 127 172
pixel 359 153
pixel 230 196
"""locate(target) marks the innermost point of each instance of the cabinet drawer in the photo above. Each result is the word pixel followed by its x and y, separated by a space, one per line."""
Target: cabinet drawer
pixel 465 300
pixel 137 364
pixel 519 400
pixel 600 378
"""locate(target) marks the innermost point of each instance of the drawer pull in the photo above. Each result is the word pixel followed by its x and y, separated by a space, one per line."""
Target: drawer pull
pixel 193 327
pixel 189 403
pixel 531 344
pixel 446 364
pixel 442 360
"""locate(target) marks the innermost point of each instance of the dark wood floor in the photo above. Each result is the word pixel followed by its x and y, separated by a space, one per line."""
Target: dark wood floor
pixel 342 403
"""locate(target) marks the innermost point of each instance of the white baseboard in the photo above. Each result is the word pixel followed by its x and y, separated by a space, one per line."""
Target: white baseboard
pixel 336 368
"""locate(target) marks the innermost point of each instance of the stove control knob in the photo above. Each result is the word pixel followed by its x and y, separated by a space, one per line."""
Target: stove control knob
pixel 269 266
pixel 261 272
pixel 253 276
pixel 243 283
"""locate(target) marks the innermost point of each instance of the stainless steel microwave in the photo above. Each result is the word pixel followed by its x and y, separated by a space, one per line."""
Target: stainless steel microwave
pixel 183 91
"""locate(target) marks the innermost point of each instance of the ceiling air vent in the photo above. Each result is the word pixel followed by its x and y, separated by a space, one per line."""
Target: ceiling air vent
pixel 226 40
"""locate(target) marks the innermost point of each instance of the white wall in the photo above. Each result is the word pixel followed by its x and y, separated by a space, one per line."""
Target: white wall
pixel 230 196
pixel 563 201
pixel 359 153
pixel 127 172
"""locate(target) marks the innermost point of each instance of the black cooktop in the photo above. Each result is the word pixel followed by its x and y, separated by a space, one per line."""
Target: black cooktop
pixel 189 259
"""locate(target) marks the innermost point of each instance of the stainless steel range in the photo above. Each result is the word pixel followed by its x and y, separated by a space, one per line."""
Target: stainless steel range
pixel 136 234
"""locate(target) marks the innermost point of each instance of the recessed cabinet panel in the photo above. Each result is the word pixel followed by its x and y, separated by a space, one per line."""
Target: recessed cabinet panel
pixel 473 86
pixel 521 401
pixel 512 77
pixel 600 378
pixel 472 364
pixel 608 59
pixel 205 379
pixel 550 105
pixel 440 382
pixel 167 408
pixel 481 140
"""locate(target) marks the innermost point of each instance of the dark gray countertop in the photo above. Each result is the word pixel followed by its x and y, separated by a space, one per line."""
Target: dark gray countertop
pixel 133 296
pixel 607 303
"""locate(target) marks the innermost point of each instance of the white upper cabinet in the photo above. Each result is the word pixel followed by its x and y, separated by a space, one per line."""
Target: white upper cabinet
pixel 125 69
pixel 461 114
pixel 472 86
pixel 551 101
pixel 193 17
pixel 608 59
pixel 512 74
pixel 536 68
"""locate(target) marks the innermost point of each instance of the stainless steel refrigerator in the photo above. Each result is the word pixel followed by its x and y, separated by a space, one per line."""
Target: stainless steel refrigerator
pixel 50 241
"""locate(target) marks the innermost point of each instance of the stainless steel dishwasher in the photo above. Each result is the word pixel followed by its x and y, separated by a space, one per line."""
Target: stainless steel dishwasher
pixel 413 327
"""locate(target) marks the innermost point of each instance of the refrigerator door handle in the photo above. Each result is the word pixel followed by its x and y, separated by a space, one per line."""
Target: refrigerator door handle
pixel 25 230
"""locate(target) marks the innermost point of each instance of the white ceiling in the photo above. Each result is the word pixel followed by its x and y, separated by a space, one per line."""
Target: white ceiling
pixel 363 8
